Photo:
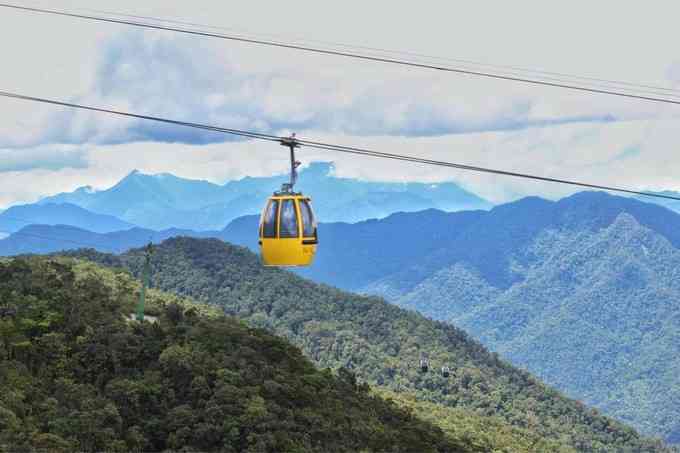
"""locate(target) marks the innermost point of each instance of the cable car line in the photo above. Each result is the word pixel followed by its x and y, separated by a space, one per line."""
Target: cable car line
pixel 333 147
pixel 655 89
pixel 248 134
pixel 365 57
pixel 415 159
pixel 508 68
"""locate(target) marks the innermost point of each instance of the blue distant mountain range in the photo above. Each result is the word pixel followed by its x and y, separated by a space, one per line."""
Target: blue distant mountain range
pixel 165 201
pixel 584 292
pixel 673 205
pixel 17 217
pixel 44 239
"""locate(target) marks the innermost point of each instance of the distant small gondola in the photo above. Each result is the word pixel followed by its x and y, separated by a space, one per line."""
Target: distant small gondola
pixel 6 312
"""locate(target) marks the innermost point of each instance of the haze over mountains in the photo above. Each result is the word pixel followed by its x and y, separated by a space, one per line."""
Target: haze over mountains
pixel 41 239
pixel 673 205
pixel 17 217
pixel 581 292
pixel 165 201
pixel 584 291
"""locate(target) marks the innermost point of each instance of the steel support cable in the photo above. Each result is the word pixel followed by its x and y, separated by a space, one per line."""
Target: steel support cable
pixel 510 68
pixel 470 72
pixel 656 90
pixel 339 148
pixel 238 132
pixel 420 160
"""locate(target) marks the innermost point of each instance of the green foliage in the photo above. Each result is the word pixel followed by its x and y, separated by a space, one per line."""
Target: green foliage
pixel 582 292
pixel 380 342
pixel 594 313
pixel 77 375
pixel 486 434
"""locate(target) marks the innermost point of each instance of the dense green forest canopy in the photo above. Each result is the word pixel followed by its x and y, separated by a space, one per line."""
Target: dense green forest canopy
pixel 582 292
pixel 77 375
pixel 380 342
pixel 595 315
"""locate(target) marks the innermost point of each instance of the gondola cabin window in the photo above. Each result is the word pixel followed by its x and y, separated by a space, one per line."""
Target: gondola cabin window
pixel 308 222
pixel 269 222
pixel 289 223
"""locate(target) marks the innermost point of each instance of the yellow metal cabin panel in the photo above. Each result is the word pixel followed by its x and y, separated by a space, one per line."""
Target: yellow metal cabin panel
pixel 278 251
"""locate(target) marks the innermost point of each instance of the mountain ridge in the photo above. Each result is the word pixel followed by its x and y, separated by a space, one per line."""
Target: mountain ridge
pixel 512 278
pixel 376 339
pixel 42 239
pixel 17 217
pixel 445 263
pixel 78 375
pixel 165 201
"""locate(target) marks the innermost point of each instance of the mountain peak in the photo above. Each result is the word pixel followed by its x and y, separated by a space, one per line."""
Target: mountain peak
pixel 134 174
pixel 626 227
pixel 136 177
pixel 85 190
pixel 625 220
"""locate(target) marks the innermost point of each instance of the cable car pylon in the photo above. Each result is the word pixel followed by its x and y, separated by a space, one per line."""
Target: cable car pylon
pixel 146 282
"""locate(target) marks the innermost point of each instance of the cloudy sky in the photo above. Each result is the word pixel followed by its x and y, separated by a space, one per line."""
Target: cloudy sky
pixel 476 121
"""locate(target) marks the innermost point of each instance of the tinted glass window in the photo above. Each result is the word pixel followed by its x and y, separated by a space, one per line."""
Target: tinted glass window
pixel 289 224
pixel 307 216
pixel 269 222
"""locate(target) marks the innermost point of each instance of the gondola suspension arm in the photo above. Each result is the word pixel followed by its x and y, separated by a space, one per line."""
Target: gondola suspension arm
pixel 292 143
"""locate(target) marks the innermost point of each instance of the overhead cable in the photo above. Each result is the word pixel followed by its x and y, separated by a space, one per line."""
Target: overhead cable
pixel 142 117
pixel 506 68
pixel 334 147
pixel 366 57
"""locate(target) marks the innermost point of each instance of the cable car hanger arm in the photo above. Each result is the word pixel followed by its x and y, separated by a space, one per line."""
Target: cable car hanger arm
pixel 292 143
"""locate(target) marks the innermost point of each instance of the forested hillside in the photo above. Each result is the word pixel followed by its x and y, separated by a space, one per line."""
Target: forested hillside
pixel 380 342
pixel 582 292
pixel 76 375
pixel 596 314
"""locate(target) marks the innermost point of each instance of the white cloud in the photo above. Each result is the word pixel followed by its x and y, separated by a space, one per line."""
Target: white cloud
pixel 51 157
pixel 339 100
pixel 166 76
pixel 599 153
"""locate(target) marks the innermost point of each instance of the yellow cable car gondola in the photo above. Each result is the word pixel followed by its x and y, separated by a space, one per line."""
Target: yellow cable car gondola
pixel 288 230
